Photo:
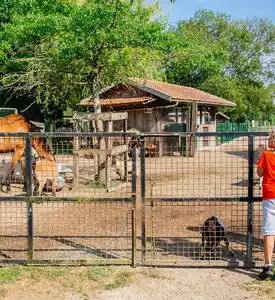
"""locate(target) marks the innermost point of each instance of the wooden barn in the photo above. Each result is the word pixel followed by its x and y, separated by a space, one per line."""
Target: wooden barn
pixel 155 106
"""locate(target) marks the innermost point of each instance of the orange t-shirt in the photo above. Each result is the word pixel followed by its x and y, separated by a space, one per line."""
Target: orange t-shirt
pixel 267 162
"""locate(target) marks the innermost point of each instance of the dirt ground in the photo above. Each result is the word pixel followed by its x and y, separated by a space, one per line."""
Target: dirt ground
pixel 125 283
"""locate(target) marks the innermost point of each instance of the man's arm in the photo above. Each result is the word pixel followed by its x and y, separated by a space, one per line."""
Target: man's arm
pixel 260 171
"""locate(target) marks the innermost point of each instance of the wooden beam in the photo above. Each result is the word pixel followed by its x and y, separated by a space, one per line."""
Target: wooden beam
pixel 76 160
pixel 113 151
pixel 106 116
pixel 188 129
pixel 92 151
pixel 194 128
pixel 125 154
pixel 108 168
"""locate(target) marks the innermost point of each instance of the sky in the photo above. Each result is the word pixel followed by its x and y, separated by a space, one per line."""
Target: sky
pixel 238 9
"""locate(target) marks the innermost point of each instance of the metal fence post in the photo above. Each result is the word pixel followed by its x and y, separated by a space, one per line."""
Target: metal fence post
pixel 134 190
pixel 29 195
pixel 143 200
pixel 249 257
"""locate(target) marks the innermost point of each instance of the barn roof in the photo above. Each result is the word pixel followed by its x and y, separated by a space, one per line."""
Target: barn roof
pixel 179 92
pixel 163 90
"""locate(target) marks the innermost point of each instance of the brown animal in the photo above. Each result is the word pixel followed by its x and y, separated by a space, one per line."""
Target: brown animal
pixel 151 150
pixel 17 145
pixel 44 171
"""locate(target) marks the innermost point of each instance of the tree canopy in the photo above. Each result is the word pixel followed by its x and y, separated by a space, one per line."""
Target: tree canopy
pixel 230 58
pixel 55 52
pixel 60 51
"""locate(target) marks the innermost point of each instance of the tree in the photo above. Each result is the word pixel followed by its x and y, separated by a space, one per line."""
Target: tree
pixel 230 58
pixel 60 51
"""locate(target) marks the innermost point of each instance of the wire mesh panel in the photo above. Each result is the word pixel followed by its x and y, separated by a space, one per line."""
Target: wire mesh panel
pixel 194 178
pixel 91 231
pixel 216 172
pixel 76 205
pixel 13 210
pixel 90 166
pixel 174 231
pixel 13 230
pixel 258 247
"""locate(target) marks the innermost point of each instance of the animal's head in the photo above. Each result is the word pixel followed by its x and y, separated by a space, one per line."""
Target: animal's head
pixel 210 224
pixel 42 148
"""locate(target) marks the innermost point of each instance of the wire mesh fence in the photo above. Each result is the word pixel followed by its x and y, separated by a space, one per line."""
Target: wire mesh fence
pixel 70 207
pixel 194 178
pixel 80 207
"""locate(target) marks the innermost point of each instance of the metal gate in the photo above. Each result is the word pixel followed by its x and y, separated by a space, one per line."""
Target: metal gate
pixel 88 222
pixel 179 192
pixel 184 180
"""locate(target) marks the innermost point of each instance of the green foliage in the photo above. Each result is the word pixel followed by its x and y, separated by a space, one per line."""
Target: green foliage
pixel 121 279
pixel 55 52
pixel 229 58
pixel 57 49
pixel 9 275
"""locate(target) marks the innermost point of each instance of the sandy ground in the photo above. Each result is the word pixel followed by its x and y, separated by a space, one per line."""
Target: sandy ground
pixel 192 284
pixel 161 284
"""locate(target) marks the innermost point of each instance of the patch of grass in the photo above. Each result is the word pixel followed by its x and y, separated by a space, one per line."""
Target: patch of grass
pixel 121 279
pixel 3 292
pixel 263 287
pixel 97 273
pixel 96 185
pixel 9 274
pixel 49 273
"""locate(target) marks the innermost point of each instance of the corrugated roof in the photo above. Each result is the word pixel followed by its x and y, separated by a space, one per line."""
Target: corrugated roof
pixel 180 92
pixel 117 101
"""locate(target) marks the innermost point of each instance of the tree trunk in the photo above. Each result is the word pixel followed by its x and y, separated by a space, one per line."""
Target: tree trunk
pixel 100 160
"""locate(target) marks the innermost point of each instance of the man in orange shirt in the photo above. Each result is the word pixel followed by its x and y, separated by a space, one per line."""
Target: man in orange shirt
pixel 266 168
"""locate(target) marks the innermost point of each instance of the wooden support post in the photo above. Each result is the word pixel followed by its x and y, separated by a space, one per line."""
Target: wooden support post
pixel 194 128
pixel 125 154
pixel 108 166
pixel 76 159
pixel 213 111
pixel 188 129
pixel 159 129
pixel 201 114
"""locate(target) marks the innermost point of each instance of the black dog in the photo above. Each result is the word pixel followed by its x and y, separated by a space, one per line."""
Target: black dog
pixel 213 232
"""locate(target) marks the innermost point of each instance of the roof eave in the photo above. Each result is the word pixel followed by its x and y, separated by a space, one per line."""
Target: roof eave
pixel 232 104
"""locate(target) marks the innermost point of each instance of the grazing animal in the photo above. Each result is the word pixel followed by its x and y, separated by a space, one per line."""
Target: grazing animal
pixel 45 171
pixel 151 150
pixel 213 232
pixel 18 123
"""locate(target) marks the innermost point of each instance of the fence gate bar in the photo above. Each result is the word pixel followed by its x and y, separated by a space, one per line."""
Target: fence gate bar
pixel 249 260
pixel 134 191
pixel 143 200
pixel 29 188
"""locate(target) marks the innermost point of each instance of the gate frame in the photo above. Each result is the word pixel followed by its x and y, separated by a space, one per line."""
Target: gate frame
pixel 250 199
pixel 29 199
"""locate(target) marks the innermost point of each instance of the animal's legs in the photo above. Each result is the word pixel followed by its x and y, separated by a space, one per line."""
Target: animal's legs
pixel 54 186
pixel 41 182
pixel 18 153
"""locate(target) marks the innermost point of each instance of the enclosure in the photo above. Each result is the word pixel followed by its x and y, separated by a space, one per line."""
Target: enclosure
pixel 152 214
